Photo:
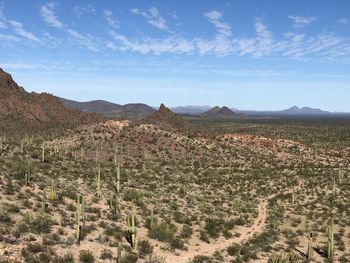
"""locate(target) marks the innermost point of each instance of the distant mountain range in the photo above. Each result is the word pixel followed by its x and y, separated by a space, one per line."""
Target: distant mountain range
pixel 140 110
pixel 111 110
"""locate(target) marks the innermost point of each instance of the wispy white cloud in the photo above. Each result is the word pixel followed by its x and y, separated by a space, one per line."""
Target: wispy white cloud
pixel 302 21
pixel 81 10
pixel 215 18
pixel 2 17
pixel 264 39
pixel 48 13
pixel 153 17
pixel 19 30
pixel 343 21
pixel 157 46
pixel 49 16
pixel 6 37
pixel 292 45
pixel 86 41
pixel 110 19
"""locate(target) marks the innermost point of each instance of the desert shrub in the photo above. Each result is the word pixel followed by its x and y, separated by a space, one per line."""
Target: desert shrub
pixel 201 259
pixel 213 227
pixel 68 258
pixel 106 254
pixel 163 232
pixel 85 256
pixel 234 249
pixel 130 258
pixel 145 248
pixel 36 252
pixel 51 239
pixel 154 259
pixel 177 243
pixel 186 231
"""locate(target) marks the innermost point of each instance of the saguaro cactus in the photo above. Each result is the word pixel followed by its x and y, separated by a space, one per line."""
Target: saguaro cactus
pixel 82 154
pixel 22 146
pixel 310 248
pixel 132 228
pixel 115 155
pixel 98 181
pixel 80 216
pixel 117 183
pixel 119 257
pixel 340 176
pixel 43 205
pixel 26 178
pixel 43 152
pixel 330 253
pixel 151 222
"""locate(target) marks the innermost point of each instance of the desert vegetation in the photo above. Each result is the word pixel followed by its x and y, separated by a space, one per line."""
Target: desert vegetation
pixel 230 191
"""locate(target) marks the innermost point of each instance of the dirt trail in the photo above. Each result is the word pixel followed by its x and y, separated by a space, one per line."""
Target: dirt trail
pixel 196 247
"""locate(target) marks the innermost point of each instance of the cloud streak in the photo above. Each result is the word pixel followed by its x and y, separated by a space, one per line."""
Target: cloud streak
pixel 48 13
pixel 19 30
pixel 302 21
pixel 153 17
pixel 111 21
pixel 2 17
pixel 215 18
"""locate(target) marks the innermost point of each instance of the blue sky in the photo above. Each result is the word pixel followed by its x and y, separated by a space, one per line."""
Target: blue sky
pixel 247 54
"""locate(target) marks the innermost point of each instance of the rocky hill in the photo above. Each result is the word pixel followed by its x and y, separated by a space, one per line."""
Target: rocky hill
pixel 165 118
pixel 131 111
pixel 97 106
pixel 21 111
pixel 218 112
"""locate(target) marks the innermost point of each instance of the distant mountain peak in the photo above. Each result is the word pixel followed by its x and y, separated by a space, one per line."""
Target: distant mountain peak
pixel 304 110
pixel 217 112
pixel 164 110
pixel 165 118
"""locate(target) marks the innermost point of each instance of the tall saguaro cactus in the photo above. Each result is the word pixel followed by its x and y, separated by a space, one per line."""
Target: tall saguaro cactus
pixel 310 247
pixel 43 205
pixel 26 178
pixel 132 228
pixel 98 181
pixel 117 183
pixel 79 216
pixel 115 155
pixel 330 253
pixel 43 152
pixel 1 144
pixel 119 257
pixel 82 154
pixel 151 223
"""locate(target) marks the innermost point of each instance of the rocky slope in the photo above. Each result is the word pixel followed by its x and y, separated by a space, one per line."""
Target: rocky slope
pixel 22 112
pixel 218 112
pixel 165 118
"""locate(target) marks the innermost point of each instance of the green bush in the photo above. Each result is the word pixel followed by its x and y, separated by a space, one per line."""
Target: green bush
pixel 163 232
pixel 85 256
pixel 145 248
pixel 130 258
